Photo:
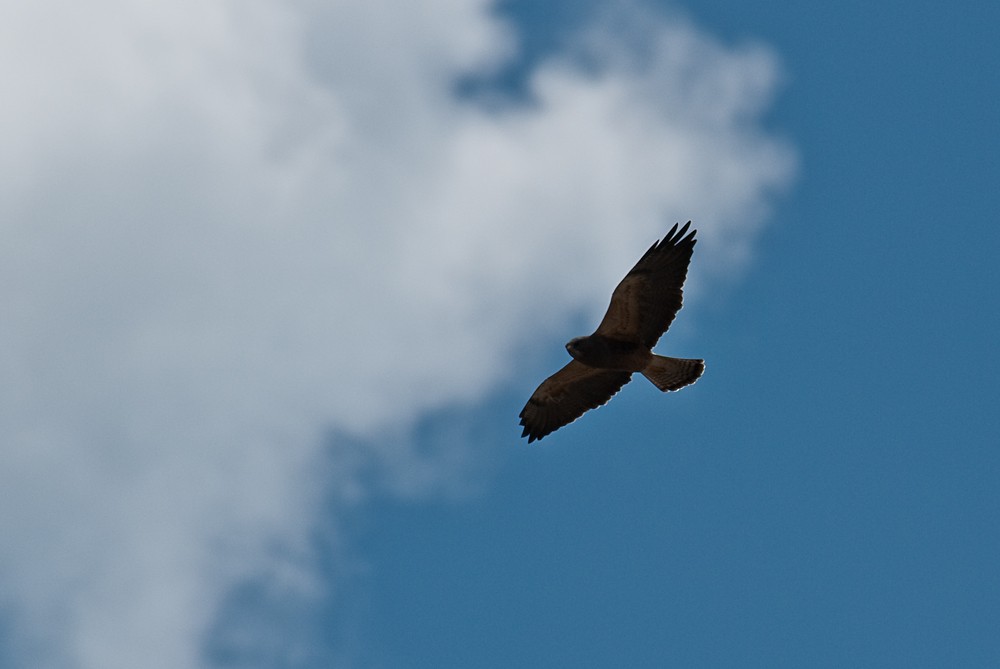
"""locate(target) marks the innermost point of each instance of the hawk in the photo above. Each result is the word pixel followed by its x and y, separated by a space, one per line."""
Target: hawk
pixel 642 308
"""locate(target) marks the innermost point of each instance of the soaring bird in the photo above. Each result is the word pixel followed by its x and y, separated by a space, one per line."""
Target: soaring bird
pixel 642 308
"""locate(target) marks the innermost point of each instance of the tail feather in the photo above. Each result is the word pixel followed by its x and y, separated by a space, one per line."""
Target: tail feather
pixel 673 373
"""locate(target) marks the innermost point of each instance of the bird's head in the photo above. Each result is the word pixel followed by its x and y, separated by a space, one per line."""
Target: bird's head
pixel 575 347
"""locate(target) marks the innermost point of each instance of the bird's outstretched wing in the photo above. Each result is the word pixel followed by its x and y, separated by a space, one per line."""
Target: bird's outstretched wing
pixel 566 395
pixel 645 302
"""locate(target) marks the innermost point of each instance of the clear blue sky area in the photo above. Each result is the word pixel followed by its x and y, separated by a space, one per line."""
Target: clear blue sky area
pixel 827 495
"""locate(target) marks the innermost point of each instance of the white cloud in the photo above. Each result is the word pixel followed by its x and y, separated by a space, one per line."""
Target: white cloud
pixel 228 227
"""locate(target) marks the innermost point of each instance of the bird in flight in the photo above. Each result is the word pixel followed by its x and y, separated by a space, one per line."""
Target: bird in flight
pixel 642 308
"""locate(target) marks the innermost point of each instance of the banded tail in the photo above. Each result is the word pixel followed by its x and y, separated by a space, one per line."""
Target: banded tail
pixel 673 373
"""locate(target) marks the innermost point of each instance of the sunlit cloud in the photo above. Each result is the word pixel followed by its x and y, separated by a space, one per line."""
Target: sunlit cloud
pixel 229 229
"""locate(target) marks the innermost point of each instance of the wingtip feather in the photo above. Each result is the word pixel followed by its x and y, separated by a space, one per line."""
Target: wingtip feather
pixel 676 237
pixel 683 230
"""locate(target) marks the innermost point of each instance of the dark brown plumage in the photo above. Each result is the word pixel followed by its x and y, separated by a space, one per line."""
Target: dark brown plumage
pixel 642 308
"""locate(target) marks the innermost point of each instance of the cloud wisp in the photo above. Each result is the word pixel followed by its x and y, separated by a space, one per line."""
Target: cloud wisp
pixel 230 227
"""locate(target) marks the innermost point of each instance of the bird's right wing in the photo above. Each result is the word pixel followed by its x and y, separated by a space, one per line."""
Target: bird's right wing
pixel 567 395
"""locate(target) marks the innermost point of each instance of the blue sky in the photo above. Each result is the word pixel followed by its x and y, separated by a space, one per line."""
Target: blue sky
pixel 827 494
pixel 279 278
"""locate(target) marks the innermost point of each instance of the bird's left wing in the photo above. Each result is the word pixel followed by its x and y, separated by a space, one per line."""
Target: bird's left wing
pixel 645 302
pixel 566 395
